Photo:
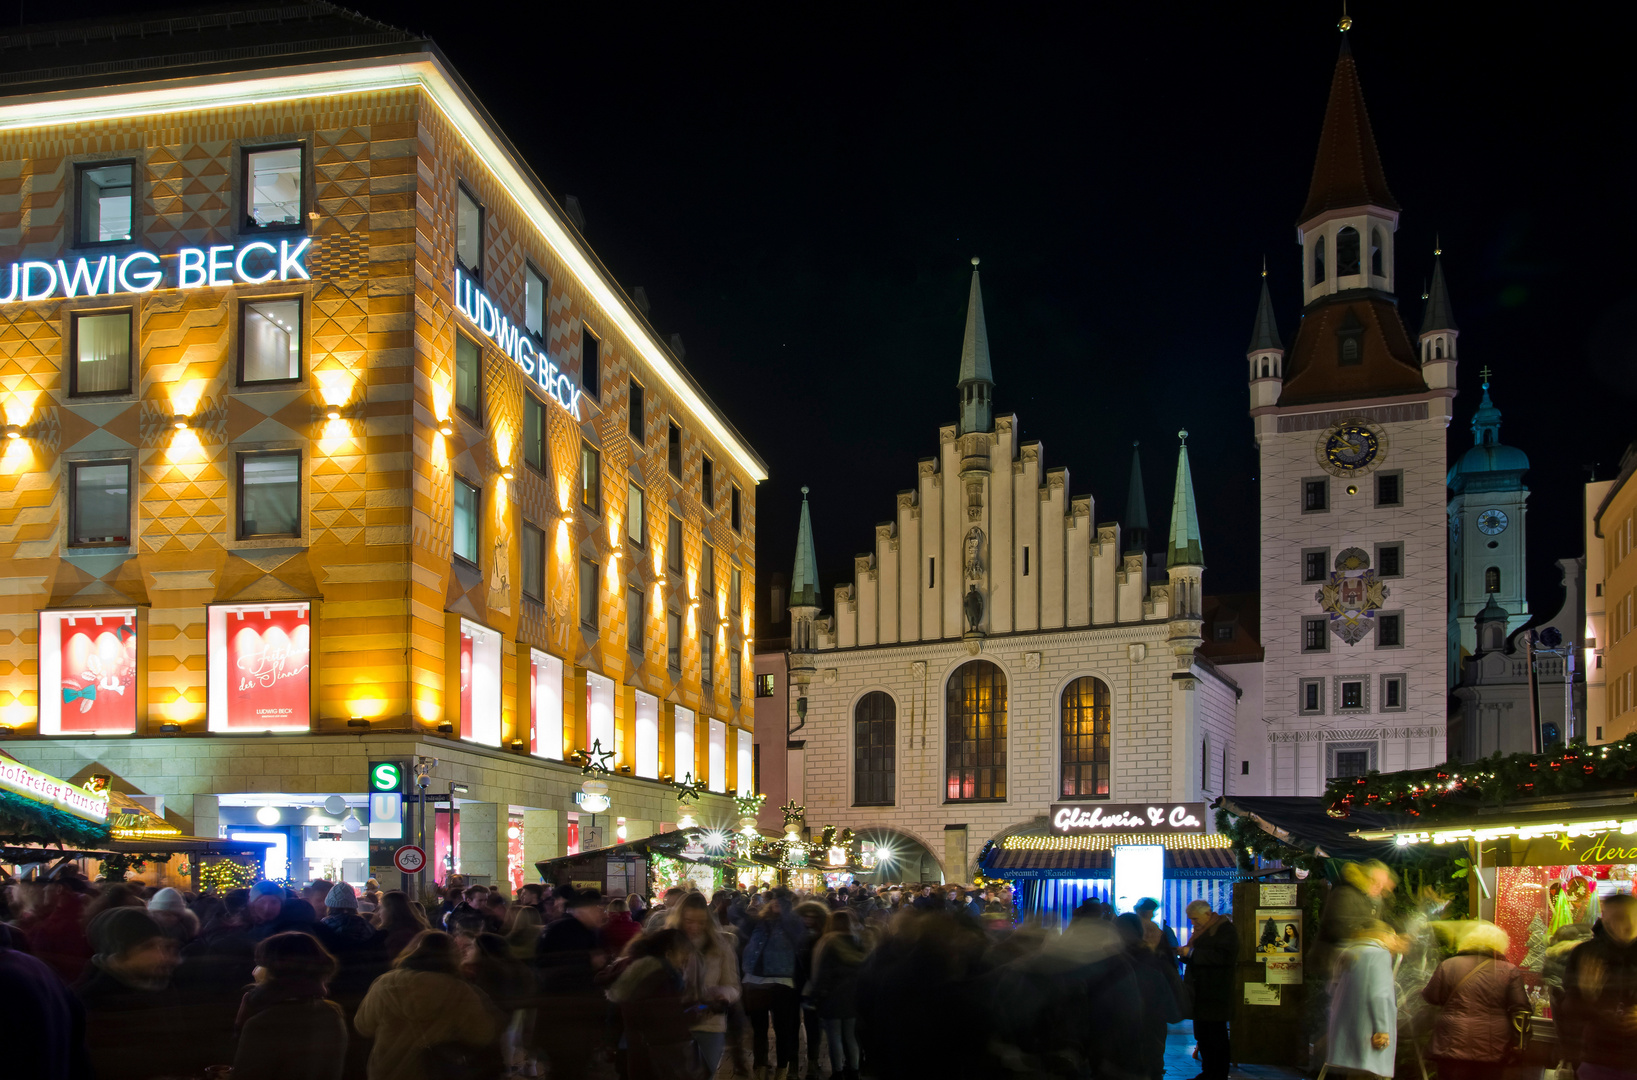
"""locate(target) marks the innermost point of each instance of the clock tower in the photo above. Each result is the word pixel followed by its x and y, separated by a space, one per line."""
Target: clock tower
pixel 1350 424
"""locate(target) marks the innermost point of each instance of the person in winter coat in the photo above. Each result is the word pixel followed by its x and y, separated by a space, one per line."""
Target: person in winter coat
pixel 1211 953
pixel 425 1019
pixel 1478 993
pixel 650 995
pixel 170 911
pixel 833 989
pixel 401 921
pixel 568 957
pixel 774 938
pixel 710 979
pixel 129 1002
pixel 814 916
pixel 1161 989
pixel 1363 1029
pixel 1598 1021
pixel 620 928
pixel 287 1026
pixel 48 1022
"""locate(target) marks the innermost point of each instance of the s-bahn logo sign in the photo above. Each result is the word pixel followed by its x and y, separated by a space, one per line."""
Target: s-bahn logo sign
pixel 516 343
pixel 254 263
pixel 1089 819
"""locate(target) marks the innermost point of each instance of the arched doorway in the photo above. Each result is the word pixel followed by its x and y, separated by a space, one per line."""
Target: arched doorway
pixel 899 858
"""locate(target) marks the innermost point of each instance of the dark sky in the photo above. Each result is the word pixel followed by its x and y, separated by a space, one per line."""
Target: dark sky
pixel 799 190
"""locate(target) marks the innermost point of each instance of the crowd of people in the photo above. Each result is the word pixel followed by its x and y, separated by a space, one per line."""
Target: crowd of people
pixel 117 980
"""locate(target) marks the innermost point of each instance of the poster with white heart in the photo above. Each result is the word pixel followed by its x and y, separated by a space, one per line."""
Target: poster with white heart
pixel 88 658
pixel 260 656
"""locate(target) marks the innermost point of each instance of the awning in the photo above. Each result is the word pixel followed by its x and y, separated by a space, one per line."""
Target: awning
pixel 1301 822
pixel 38 808
pixel 670 844
pixel 1002 862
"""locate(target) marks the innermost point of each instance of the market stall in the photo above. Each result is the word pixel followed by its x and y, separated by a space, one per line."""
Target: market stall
pixel 647 867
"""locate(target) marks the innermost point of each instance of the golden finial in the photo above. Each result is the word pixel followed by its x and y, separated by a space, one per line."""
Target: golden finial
pixel 1346 23
pixel 1437 245
pixel 1264 266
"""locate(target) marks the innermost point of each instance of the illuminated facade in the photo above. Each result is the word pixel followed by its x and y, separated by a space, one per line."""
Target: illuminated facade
pixel 331 440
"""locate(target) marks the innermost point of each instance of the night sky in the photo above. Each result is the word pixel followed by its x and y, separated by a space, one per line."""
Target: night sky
pixel 799 192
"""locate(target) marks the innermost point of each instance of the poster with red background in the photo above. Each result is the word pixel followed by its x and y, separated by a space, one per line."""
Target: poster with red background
pixel 267 667
pixel 98 674
pixel 465 684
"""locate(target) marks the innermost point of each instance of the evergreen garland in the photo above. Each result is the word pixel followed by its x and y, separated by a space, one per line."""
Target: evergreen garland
pixel 26 821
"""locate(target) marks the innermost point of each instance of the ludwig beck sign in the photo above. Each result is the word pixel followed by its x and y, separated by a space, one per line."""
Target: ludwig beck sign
pixel 1091 819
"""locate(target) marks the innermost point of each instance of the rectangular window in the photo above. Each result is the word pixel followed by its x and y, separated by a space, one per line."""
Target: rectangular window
pixel 746 767
pixel 1025 561
pixel 707 484
pixel 107 193
pixel 469 378
pixel 1315 634
pixel 1315 564
pixel 1352 694
pixel 673 545
pixel 102 353
pixel 270 341
pixel 469 233
pixel 647 732
pixel 738 521
pixel 636 516
pixel 588 593
pixel 1244 768
pixel 1351 763
pixel 545 705
pixel 270 494
pixel 534 432
pixel 636 414
pixel 1389 630
pixel 534 562
pixel 536 290
pixel 683 762
pixel 707 570
pixel 465 516
pixel 600 725
pixel 1315 496
pixel 673 641
pixel 634 620
pixel 1390 560
pixel 735 678
pixel 733 593
pixel 591 478
pixel 590 363
pixel 272 186
pixel 1392 693
pixel 1224 632
pixel 932 572
pixel 764 685
pixel 718 758
pixel 707 657
pixel 1389 489
pixel 1312 697
pixel 100 497
pixel 673 451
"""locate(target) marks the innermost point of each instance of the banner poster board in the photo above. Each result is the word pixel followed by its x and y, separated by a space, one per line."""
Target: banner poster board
pixel 260 656
pixel 88 671
pixel 1279 944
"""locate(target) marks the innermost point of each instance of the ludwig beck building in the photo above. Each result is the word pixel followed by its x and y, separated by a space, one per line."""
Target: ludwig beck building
pixel 329 442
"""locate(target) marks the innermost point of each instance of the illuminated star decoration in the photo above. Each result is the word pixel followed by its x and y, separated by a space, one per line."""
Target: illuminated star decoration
pixel 687 789
pixel 1563 841
pixel 792 812
pixel 596 759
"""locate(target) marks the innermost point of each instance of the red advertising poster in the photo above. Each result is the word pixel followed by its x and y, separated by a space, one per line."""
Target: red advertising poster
pixel 98 674
pixel 534 705
pixel 267 663
pixel 465 684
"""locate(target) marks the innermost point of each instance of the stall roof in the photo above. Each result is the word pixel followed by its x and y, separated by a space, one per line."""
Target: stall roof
pixel 1003 862
pixel 666 843
pixel 1302 822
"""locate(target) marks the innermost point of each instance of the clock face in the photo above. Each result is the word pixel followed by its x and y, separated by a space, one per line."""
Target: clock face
pixel 1351 447
pixel 1492 522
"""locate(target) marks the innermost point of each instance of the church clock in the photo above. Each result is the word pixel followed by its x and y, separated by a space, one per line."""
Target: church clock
pixel 1492 522
pixel 1349 447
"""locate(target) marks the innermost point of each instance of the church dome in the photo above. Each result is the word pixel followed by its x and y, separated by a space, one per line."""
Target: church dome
pixel 1489 458
pixel 1492 459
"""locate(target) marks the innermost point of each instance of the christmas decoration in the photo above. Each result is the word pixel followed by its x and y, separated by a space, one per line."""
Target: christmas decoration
pixel 221 875
pixel 594 762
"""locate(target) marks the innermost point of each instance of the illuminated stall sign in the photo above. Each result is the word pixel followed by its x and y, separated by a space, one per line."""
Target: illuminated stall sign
pixel 260 656
pixel 88 671
pixel 1090 819
pixel 19 779
pixel 254 263
pixel 516 343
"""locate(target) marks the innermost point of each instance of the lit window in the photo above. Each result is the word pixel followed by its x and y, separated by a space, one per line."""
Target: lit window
pixel 270 494
pixel 101 499
pixel 975 733
pixel 636 525
pixel 469 378
pixel 465 520
pixel 273 188
pixel 270 347
pixel 591 478
pixel 469 233
pixel 107 202
pixel 1086 739
pixel 102 353
pixel 534 562
pixel 764 686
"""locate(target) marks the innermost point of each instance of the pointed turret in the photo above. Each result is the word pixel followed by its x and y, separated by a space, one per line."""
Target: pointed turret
pixel 1347 172
pixel 1136 509
pixel 1438 331
pixel 1185 565
pixel 1267 360
pixel 1184 548
pixel 1264 332
pixel 804 583
pixel 977 383
pixel 1438 314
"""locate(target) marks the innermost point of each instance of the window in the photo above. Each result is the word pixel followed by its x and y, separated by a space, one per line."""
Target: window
pixel 673 641
pixel 1350 349
pixel 1492 579
pixel 590 363
pixel 590 578
pixel 1377 254
pixel 467 500
pixel 707 484
pixel 534 562
pixel 1244 768
pixel 1390 560
pixel 1224 631
pixel 270 494
pixel 99 494
pixel 1392 693
pixel 1315 634
pixel 673 451
pixel 469 378
pixel 707 570
pixel 1389 630
pixel 1310 697
pixel 738 522
pixel 536 300
pixel 1389 489
pixel 469 233
pixel 636 416
pixel 102 353
pixel 1316 564
pixel 1318 260
pixel 1350 763
pixel 673 544
pixel 733 593
pixel 591 478
pixel 975 733
pixel 636 522
pixel 634 615
pixel 270 341
pixel 1085 766
pixel 1347 251
pixel 272 186
pixel 107 202
pixel 764 685
pixel 707 657
pixel 1205 763
pixel 875 750
pixel 1025 561
pixel 534 432
pixel 932 572
pixel 1352 694
pixel 1315 495
pixel 735 676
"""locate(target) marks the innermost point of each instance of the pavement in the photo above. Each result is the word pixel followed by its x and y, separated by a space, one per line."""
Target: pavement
pixel 1180 1063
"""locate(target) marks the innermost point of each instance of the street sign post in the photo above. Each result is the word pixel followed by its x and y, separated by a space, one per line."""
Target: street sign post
pixel 409 859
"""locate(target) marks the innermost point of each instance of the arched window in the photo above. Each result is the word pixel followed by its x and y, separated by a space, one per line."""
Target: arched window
pixel 1377 256
pixel 1264 367
pixel 975 733
pixel 1438 349
pixel 875 750
pixel 1318 260
pixel 1492 579
pixel 1349 349
pixel 1084 771
pixel 1346 251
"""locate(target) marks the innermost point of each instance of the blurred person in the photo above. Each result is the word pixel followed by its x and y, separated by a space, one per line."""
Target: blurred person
pixel 1356 903
pixel 54 920
pixel 494 908
pixel 1161 989
pixel 1480 995
pixel 427 1022
pixel 1159 938
pixel 1552 965
pixel 1598 1021
pixel 49 1019
pixel 837 959
pixel 619 928
pixel 814 916
pixel 130 1002
pixel 524 934
pixel 1362 1033
pixel 171 912
pixel 314 894
pixel 509 985
pixel 568 958
pixel 401 921
pixel 287 1025
pixel 1210 955
pixel 711 978
pixel 360 953
pixel 649 992
pixel 774 938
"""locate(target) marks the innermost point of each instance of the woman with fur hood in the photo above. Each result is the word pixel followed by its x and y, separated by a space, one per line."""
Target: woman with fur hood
pixel 1479 993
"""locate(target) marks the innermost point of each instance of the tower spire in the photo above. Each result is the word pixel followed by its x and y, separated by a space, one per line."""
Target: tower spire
pixel 1347 171
pixel 1438 314
pixel 977 382
pixel 1264 334
pixel 1184 548
pixel 1136 509
pixel 804 581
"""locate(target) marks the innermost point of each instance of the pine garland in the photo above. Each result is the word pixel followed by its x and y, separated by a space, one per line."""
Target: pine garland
pixel 25 821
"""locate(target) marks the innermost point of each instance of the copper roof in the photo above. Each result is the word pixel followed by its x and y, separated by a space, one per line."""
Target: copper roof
pixel 1348 170
pixel 1387 364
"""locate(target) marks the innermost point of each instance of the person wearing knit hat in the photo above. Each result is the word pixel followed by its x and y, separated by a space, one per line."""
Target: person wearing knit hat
pixel 341 896
pixel 170 911
pixel 128 995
